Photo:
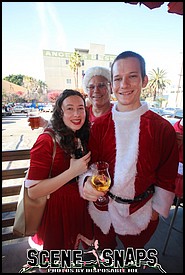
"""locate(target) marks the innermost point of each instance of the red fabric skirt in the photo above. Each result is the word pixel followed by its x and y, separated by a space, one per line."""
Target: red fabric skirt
pixel 65 217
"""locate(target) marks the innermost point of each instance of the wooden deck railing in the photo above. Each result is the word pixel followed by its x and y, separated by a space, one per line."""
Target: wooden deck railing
pixel 10 193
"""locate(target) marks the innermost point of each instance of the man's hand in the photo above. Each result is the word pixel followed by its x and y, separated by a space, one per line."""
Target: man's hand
pixel 89 192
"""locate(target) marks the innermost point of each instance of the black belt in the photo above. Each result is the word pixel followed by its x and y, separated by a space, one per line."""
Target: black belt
pixel 141 197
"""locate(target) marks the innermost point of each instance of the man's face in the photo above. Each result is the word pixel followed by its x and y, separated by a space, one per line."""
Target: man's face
pixel 127 83
pixel 98 91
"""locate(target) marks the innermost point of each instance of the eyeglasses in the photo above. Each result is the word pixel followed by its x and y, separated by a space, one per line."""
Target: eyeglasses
pixel 99 86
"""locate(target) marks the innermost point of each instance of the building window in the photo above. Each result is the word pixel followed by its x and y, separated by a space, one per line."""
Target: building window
pixel 67 61
pixel 96 56
pixel 82 62
pixel 68 81
pixel 83 73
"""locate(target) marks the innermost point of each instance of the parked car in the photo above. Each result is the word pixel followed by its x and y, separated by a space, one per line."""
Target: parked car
pixel 47 108
pixel 40 106
pixel 178 113
pixel 172 120
pixel 157 110
pixel 168 111
pixel 7 110
pixel 175 117
pixel 19 109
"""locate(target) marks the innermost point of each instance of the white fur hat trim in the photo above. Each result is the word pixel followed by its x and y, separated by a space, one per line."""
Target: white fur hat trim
pixel 93 71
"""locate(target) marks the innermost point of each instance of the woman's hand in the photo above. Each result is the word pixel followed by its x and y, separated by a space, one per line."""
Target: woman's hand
pixel 42 122
pixel 80 166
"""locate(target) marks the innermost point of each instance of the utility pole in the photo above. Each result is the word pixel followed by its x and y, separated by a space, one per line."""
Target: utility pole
pixel 178 88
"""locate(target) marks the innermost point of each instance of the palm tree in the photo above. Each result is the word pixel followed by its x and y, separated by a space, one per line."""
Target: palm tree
pixel 157 82
pixel 74 64
pixel 41 87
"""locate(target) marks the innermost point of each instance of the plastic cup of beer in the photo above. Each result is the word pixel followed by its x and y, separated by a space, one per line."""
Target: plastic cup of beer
pixel 34 118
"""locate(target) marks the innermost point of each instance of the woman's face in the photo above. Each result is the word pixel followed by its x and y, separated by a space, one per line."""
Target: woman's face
pixel 74 113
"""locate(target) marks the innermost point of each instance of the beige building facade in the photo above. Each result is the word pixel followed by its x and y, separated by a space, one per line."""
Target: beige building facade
pixel 59 76
pixel 10 90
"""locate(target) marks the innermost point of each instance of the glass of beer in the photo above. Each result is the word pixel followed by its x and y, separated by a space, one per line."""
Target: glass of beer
pixel 101 180
pixel 34 120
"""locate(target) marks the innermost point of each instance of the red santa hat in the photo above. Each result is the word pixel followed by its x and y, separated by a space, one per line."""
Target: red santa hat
pixel 93 71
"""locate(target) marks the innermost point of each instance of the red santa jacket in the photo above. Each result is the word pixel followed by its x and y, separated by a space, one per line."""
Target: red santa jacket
pixel 141 149
pixel 179 179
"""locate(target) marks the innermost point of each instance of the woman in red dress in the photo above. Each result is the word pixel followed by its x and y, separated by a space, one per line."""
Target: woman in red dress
pixel 66 214
pixel 96 84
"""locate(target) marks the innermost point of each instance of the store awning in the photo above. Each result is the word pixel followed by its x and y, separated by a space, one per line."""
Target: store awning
pixel 173 7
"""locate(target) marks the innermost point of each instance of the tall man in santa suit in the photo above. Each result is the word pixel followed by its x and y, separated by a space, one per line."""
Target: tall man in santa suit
pixel 141 149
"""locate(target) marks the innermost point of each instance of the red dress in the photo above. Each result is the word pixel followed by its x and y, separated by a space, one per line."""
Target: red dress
pixel 66 214
pixel 36 241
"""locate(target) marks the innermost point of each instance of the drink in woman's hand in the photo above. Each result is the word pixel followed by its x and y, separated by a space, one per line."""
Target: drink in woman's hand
pixel 34 120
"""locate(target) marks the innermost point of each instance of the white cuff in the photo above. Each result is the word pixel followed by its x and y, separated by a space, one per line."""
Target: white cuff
pixel 101 218
pixel 162 201
pixel 81 181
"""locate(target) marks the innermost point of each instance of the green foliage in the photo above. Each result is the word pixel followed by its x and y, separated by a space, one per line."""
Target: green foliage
pixel 74 64
pixel 20 80
pixel 157 82
pixel 35 89
pixel 15 79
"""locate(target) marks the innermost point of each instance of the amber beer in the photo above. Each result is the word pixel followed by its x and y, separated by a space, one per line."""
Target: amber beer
pixel 34 120
pixel 101 182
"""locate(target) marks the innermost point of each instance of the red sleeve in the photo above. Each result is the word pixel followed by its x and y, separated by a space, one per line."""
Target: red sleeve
pixel 168 165
pixel 178 128
pixel 41 158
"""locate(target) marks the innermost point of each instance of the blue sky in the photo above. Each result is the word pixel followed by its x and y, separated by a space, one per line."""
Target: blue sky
pixel 28 28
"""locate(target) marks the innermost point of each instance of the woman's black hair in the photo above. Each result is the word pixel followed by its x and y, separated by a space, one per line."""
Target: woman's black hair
pixel 68 137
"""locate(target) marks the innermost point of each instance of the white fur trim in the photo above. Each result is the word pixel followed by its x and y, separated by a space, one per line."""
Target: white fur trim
pixel 127 129
pixel 81 181
pixel 126 157
pixel 100 218
pixel 132 224
pixel 93 71
pixel 162 201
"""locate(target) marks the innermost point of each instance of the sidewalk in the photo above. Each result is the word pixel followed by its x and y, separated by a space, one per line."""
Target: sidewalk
pixel 14 254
